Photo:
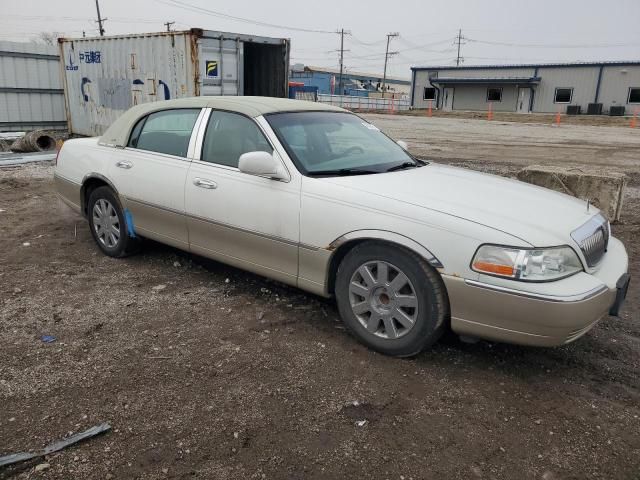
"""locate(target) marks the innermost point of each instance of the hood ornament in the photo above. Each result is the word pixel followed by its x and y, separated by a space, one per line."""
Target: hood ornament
pixel 588 204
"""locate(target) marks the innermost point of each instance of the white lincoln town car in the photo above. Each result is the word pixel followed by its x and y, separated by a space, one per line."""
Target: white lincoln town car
pixel 316 197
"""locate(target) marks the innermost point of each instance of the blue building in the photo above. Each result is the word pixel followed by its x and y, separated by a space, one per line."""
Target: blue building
pixel 354 83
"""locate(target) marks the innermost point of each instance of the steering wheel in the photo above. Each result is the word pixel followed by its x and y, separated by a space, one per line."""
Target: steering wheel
pixel 354 149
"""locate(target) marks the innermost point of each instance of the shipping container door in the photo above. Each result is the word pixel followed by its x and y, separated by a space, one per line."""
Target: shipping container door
pixel 220 66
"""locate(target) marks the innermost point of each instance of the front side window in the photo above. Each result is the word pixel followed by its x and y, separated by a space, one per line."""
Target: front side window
pixel 429 93
pixel 334 143
pixel 228 136
pixel 167 131
pixel 563 95
pixel 634 95
pixel 494 94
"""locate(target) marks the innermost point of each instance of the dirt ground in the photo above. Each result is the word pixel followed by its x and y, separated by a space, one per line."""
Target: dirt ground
pixel 204 371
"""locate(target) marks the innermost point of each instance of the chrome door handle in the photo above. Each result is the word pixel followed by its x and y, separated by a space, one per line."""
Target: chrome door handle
pixel 202 183
pixel 124 164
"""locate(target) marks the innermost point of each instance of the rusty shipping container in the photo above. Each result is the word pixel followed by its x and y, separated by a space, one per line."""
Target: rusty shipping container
pixel 104 76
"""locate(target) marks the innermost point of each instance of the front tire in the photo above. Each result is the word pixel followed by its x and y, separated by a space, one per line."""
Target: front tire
pixel 391 299
pixel 108 224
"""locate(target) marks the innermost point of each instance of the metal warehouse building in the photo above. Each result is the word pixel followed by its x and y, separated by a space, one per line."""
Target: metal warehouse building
pixel 603 87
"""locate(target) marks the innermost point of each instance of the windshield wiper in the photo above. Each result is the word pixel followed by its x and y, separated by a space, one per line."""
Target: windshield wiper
pixel 342 172
pixel 403 165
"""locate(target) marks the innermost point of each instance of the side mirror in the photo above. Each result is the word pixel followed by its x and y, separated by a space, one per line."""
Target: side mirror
pixel 261 164
pixel 404 145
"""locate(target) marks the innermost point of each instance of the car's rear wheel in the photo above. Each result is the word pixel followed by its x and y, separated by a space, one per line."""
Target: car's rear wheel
pixel 108 224
pixel 391 299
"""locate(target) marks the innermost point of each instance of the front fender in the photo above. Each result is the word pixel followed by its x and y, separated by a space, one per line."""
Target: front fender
pixel 391 237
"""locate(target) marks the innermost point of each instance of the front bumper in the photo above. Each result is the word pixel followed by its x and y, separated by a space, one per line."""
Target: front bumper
pixel 545 314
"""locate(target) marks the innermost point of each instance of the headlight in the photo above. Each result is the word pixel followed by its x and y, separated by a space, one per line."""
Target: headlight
pixel 532 265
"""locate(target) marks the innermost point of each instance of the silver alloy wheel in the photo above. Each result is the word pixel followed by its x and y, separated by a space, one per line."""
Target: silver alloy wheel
pixel 106 223
pixel 383 299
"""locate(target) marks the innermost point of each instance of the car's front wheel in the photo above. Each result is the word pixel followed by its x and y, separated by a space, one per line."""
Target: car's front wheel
pixel 108 224
pixel 391 299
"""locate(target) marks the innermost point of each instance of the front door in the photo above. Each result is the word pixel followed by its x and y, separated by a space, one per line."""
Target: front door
pixel 524 96
pixel 244 220
pixel 150 172
pixel 447 101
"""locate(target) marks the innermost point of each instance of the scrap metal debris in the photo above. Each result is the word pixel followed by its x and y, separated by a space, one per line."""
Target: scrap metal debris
pixel 55 446
pixel 36 141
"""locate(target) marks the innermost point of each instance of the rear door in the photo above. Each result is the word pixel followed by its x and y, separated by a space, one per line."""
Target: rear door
pixel 241 219
pixel 447 101
pixel 524 96
pixel 150 172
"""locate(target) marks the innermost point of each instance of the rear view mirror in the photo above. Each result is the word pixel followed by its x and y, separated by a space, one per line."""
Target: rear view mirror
pixel 262 164
pixel 404 145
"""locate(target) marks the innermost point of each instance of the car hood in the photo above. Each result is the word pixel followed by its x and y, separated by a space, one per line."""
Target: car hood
pixel 536 215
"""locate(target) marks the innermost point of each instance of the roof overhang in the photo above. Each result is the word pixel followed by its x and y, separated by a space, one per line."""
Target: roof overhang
pixel 485 81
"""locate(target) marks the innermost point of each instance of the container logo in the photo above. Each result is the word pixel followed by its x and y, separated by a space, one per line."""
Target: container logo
pixel 71 67
pixel 212 68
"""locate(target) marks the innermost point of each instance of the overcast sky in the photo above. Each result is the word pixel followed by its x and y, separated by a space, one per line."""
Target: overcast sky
pixel 496 31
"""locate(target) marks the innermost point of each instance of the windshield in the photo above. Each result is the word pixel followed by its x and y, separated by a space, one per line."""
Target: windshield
pixel 335 143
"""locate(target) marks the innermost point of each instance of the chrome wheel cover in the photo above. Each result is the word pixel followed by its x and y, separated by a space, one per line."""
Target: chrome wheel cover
pixel 383 299
pixel 106 223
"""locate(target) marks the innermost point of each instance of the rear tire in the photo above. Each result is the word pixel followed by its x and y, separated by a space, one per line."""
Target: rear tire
pixel 108 225
pixel 391 299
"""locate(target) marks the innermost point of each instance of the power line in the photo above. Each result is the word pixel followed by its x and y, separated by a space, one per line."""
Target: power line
pixel 206 11
pixel 168 25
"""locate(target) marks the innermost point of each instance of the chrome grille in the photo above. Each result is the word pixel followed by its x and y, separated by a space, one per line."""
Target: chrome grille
pixel 593 239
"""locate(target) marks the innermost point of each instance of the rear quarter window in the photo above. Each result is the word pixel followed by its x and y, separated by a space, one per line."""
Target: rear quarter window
pixel 167 131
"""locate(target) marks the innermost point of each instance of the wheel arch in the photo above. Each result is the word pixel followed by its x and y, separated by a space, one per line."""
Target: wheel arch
pixel 90 182
pixel 345 243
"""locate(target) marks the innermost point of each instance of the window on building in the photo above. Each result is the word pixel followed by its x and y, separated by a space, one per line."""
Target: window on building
pixel 563 95
pixel 494 94
pixel 634 95
pixel 166 131
pixel 429 93
pixel 228 136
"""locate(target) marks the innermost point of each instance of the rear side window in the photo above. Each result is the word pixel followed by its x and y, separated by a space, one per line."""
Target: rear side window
pixel 228 136
pixel 166 132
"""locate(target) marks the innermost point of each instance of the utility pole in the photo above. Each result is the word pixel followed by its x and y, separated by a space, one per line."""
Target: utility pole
pixel 168 25
pixel 459 38
pixel 386 59
pixel 342 33
pixel 100 20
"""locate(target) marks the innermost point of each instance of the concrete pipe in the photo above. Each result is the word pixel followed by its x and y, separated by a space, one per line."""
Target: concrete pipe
pixel 35 141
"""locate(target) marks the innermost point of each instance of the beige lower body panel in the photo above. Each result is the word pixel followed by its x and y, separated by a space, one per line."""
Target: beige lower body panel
pixel 504 317
pixel 68 191
pixel 314 266
pixel 251 251
pixel 158 223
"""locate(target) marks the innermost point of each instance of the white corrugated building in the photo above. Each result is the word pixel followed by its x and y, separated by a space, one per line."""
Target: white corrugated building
pixel 545 88
pixel 31 94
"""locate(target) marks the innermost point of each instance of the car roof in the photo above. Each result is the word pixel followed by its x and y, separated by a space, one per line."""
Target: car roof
pixel 118 133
